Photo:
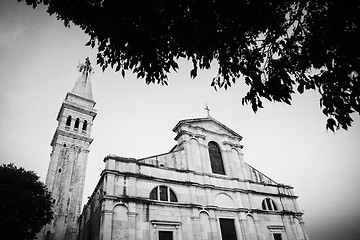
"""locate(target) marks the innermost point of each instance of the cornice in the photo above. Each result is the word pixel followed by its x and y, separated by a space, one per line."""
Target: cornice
pixel 89 111
pixel 190 183
pixel 191 134
pixel 142 200
pixel 187 122
pixel 76 107
pixel 69 135
pixel 81 97
pixel 140 163
pixel 233 145
pixel 196 135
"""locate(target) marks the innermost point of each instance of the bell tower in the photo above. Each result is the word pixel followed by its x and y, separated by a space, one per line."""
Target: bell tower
pixel 68 159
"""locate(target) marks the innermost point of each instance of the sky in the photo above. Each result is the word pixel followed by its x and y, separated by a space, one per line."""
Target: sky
pixel 290 144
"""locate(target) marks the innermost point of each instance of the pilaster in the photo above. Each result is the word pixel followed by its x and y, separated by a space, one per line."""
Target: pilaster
pixel 132 225
pixel 196 227
pixel 106 225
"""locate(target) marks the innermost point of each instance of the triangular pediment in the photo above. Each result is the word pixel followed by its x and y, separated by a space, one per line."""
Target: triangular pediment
pixel 209 124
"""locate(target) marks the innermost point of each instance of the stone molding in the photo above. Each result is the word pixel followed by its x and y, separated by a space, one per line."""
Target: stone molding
pixel 189 183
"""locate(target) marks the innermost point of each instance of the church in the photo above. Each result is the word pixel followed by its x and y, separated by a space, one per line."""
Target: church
pixel 201 189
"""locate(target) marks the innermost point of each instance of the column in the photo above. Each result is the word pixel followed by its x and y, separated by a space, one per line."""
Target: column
pixel 196 226
pixel 105 225
pixel 132 225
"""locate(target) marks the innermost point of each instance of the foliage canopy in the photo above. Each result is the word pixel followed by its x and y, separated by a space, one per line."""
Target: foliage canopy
pixel 277 47
pixel 25 203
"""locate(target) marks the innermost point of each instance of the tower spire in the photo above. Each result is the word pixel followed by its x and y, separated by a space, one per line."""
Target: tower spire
pixel 82 86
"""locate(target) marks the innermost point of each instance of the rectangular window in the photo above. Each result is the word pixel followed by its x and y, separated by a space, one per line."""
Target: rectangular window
pixel 277 236
pixel 227 229
pixel 165 235
pixel 269 205
pixel 263 204
pixel 163 193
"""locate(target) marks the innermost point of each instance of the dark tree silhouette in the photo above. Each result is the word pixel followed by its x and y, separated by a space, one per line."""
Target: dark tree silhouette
pixel 25 203
pixel 276 47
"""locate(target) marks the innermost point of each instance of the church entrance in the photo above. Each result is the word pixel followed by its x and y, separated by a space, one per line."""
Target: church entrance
pixel 227 229
pixel 165 235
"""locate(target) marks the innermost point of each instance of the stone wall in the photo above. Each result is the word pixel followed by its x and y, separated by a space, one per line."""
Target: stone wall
pixel 128 213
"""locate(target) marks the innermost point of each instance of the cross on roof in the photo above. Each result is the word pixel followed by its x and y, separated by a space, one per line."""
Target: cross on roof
pixel 207 109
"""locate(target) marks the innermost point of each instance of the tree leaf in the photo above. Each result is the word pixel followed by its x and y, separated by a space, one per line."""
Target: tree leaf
pixel 276 46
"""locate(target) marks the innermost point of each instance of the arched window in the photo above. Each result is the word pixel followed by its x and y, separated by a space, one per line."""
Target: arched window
pixel 84 125
pixel 163 193
pixel 217 165
pixel 77 122
pixel 269 205
pixel 68 121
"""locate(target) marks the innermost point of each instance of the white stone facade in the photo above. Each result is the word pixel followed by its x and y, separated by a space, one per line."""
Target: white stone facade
pixel 177 195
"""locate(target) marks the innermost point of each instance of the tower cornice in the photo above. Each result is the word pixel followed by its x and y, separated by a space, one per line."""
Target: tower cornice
pixel 81 97
pixel 69 135
pixel 76 107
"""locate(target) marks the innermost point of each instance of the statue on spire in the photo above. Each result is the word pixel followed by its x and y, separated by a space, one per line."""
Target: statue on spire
pixel 86 68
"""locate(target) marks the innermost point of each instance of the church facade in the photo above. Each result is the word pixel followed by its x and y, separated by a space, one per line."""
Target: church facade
pixel 201 189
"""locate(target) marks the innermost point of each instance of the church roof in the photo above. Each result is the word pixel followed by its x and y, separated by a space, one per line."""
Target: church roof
pixel 82 86
pixel 206 119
